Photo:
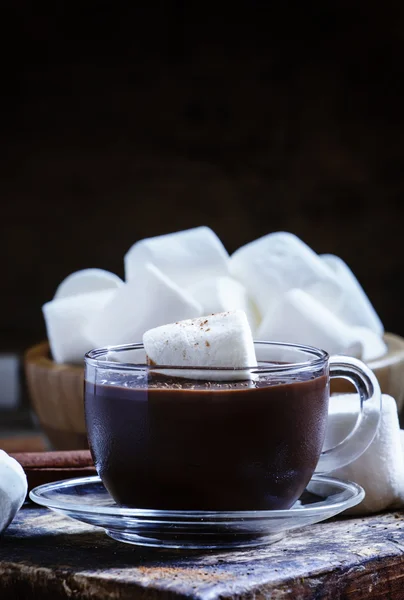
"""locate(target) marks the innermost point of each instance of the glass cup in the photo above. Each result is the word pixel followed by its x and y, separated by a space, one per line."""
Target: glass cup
pixel 163 441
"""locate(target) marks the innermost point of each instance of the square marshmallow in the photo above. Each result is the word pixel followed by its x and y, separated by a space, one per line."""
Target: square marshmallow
pixel 380 469
pixel 184 257
pixel 66 320
pixel 148 301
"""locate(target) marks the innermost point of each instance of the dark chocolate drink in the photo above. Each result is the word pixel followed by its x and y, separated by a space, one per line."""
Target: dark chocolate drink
pixel 186 445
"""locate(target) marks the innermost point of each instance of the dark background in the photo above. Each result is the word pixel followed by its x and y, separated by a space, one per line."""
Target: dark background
pixel 121 122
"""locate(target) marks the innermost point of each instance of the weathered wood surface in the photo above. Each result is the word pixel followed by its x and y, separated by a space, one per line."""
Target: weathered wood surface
pixel 47 556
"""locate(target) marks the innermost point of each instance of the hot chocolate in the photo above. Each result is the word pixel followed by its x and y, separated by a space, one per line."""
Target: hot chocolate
pixel 188 445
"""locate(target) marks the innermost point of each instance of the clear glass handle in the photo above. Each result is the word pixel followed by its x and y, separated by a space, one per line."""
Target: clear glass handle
pixel 362 434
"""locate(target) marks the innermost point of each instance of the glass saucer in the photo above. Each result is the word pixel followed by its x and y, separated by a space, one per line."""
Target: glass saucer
pixel 87 500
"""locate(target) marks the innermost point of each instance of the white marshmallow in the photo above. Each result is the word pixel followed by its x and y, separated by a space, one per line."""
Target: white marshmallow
pixel 86 281
pixel 223 340
pixel 66 320
pixel 373 346
pixel 184 256
pixel 298 318
pixel 221 294
pixel 350 303
pixel 13 489
pixel 276 263
pixel 148 301
pixel 380 469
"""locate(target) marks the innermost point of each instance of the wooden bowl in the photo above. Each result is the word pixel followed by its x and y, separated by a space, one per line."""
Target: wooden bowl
pixel 56 391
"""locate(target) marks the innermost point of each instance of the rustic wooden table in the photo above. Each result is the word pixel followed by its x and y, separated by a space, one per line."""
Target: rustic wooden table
pixel 49 557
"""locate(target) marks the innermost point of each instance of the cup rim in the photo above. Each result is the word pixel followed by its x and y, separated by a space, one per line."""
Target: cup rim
pixel 320 357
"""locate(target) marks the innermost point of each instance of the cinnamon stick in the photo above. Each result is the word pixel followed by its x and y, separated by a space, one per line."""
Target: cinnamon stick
pixel 46 467
pixel 65 459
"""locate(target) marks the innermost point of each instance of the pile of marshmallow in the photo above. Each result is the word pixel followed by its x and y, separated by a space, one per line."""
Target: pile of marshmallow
pixel 288 292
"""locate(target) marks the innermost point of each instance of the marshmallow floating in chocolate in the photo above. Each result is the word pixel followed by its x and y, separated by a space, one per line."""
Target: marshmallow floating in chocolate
pixel 214 342
pixel 13 489
pixel 87 281
pixel 185 256
pixel 150 300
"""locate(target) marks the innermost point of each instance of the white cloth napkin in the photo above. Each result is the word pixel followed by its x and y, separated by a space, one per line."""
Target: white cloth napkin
pixel 380 469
